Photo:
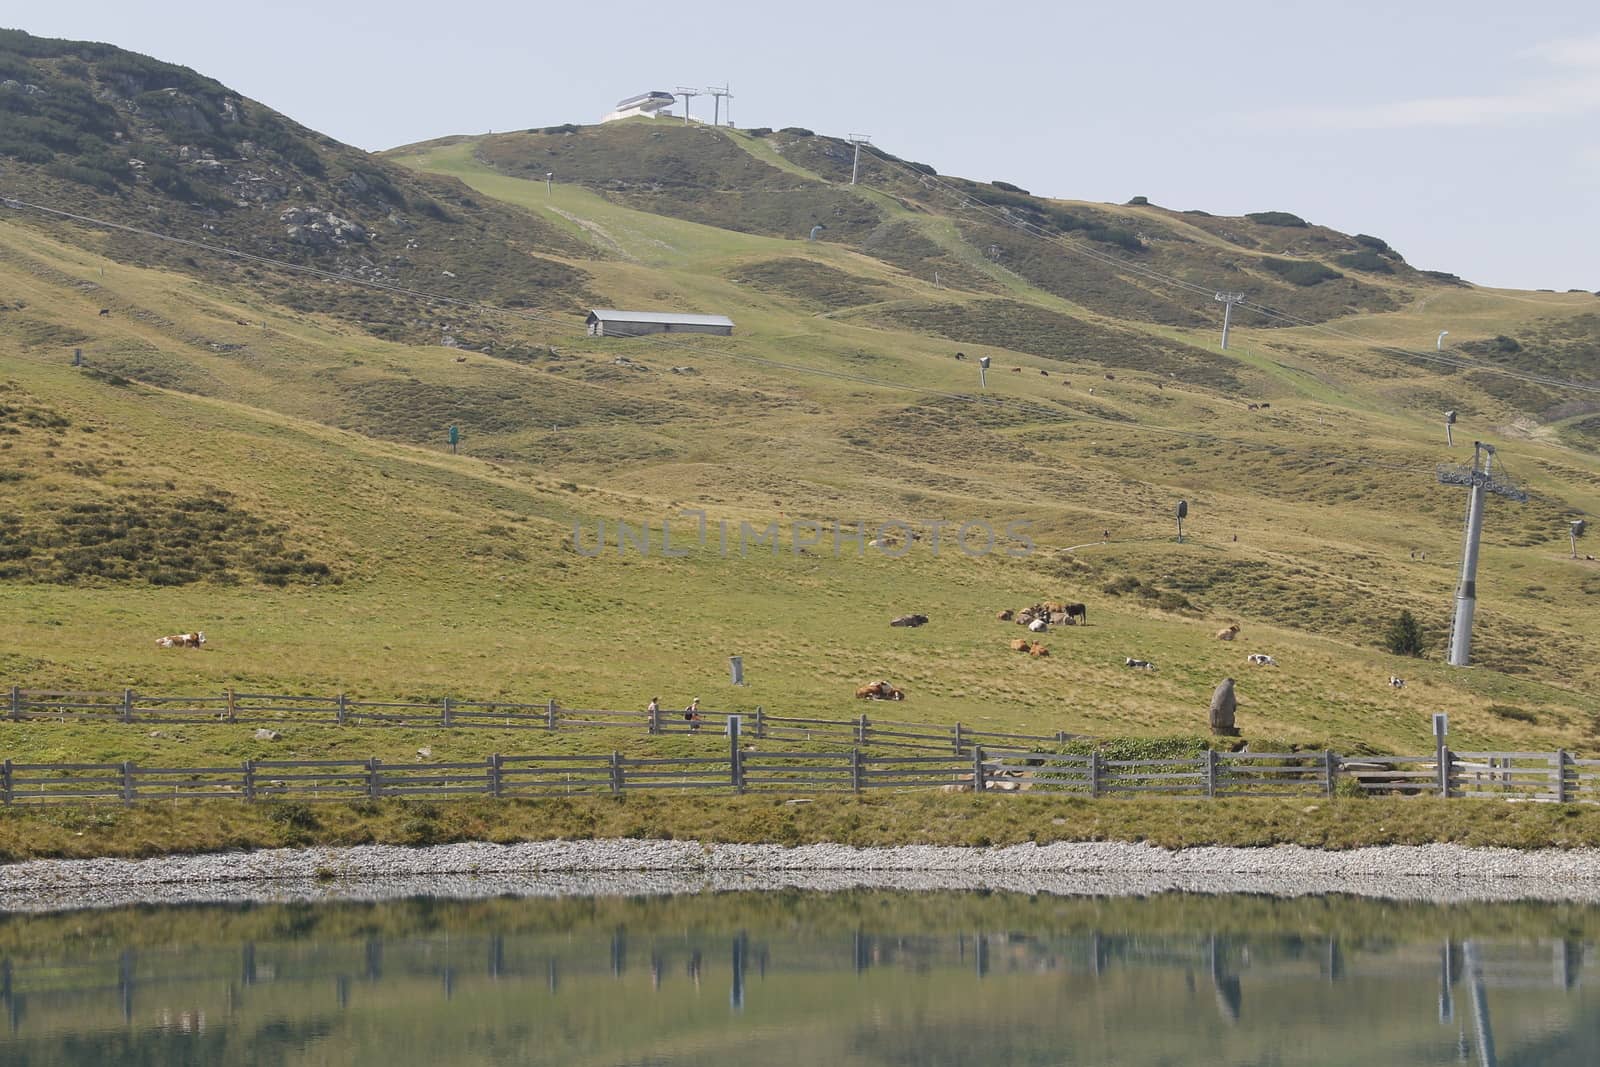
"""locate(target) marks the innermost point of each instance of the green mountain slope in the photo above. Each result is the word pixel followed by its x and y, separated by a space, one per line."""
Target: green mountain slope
pixel 343 547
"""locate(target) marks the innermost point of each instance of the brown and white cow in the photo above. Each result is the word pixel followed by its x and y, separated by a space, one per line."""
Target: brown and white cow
pixel 189 640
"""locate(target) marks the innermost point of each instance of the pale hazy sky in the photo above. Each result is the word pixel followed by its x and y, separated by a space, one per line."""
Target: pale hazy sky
pixel 1466 133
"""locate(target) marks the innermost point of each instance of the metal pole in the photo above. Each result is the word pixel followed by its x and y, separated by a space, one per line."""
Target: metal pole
pixel 855 165
pixel 1467 591
pixel 1227 317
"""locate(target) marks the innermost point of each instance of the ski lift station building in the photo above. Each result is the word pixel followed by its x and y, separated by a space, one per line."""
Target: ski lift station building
pixel 606 322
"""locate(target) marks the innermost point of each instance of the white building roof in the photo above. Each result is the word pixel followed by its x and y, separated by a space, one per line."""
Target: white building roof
pixel 676 318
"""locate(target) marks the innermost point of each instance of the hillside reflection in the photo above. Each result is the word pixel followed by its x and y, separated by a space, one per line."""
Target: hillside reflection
pixel 861 978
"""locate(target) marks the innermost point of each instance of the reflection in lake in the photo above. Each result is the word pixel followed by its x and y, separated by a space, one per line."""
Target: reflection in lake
pixel 860 978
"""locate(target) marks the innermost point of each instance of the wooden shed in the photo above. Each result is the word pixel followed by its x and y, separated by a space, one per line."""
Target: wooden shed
pixel 607 322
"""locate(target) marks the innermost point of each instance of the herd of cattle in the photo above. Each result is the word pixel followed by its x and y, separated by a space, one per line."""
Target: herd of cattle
pixel 1038 618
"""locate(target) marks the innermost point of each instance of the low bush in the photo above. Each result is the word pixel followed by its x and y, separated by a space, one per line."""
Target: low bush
pixel 1515 714
pixel 1370 262
pixel 1276 218
pixel 1302 272
pixel 1404 636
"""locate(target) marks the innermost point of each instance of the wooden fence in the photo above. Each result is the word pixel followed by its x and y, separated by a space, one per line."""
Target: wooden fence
pixel 1528 776
pixel 129 706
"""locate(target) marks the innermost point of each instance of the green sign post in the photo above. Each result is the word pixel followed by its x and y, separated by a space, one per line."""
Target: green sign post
pixel 455 436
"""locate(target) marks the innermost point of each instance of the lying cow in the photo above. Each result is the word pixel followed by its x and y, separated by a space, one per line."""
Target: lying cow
pixel 879 691
pixel 188 640
pixel 1139 664
pixel 1397 683
pixel 909 620
pixel 1228 633
pixel 1261 659
pixel 1038 626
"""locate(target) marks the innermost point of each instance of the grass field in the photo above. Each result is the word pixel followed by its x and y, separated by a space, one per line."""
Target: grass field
pixel 357 554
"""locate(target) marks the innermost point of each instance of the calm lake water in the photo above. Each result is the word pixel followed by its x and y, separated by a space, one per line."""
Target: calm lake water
pixel 858 978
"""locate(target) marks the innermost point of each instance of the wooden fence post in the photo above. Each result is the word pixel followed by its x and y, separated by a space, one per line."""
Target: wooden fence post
pixel 343 711
pixel 233 707
pixel 616 773
pixel 654 726
pixel 761 721
pixel 861 729
pixel 127 705
pixel 978 784
pixel 958 739
pixel 249 779
pixel 1560 771
pixel 16 702
pixel 1330 772
pixel 444 715
pixel 1094 772
pixel 855 770
pixel 495 786
pixel 374 787
pixel 128 790
pixel 5 781
pixel 1446 759
pixel 1211 773
pixel 735 756
pixel 550 715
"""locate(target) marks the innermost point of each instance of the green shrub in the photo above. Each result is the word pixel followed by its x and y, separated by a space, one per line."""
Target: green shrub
pixel 1405 637
pixel 293 814
pixel 1515 714
pixel 1276 218
pixel 1370 262
pixel 1302 272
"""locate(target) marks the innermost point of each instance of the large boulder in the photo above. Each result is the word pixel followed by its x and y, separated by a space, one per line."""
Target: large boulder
pixel 1223 705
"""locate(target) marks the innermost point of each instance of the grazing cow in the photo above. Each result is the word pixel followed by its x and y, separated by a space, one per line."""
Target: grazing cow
pixel 105 313
pixel 1139 664
pixel 1265 405
pixel 188 640
pixel 1038 626
pixel 1077 611
pixel 1261 659
pixel 1111 377
pixel 1044 373
pixel 961 355
pixel 1016 370
pixel 909 620
pixel 1255 407
pixel 879 691
pixel 1228 633
pixel 1004 616
pixel 1397 683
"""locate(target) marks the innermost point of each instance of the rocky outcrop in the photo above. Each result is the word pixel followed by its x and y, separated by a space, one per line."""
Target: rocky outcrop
pixel 310 226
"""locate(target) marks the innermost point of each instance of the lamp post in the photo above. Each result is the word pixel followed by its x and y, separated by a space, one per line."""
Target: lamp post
pixel 549 177
pixel 1438 343
pixel 983 372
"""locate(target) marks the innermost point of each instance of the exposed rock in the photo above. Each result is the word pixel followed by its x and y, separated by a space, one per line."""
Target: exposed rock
pixel 320 228
pixel 1223 705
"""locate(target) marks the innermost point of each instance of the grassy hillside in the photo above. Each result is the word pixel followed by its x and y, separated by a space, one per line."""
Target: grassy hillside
pixel 264 458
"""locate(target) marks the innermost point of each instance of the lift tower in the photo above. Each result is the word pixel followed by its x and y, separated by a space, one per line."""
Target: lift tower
pixel 1481 481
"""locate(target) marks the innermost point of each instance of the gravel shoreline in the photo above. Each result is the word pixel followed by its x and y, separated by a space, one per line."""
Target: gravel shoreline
pixel 1445 873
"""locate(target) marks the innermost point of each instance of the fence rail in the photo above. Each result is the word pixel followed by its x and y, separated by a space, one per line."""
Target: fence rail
pixel 1529 776
pixel 232 706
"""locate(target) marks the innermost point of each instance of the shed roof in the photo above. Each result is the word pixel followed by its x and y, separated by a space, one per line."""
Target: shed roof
pixel 677 318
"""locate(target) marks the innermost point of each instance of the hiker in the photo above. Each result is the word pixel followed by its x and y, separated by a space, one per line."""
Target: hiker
pixel 691 714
